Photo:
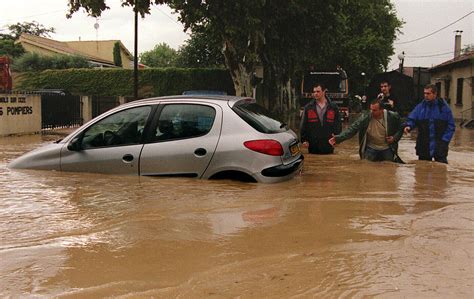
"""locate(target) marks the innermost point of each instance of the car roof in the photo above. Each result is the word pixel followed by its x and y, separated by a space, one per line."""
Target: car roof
pixel 203 92
pixel 226 98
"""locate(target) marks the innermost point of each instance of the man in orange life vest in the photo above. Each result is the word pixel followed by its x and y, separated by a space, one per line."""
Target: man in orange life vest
pixel 320 121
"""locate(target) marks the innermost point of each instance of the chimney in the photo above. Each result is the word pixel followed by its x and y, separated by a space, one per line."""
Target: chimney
pixel 457 43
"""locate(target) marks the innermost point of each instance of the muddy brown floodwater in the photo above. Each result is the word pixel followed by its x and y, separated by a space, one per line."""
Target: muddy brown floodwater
pixel 343 228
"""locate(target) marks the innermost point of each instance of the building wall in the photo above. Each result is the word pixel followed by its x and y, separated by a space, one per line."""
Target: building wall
pixel 127 63
pixel 20 114
pixel 102 49
pixel 465 72
pixel 99 51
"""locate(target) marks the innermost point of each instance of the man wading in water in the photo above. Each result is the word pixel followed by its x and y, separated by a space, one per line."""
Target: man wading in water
pixel 379 132
pixel 320 121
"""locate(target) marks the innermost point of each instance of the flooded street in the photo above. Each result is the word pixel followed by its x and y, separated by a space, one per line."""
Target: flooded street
pixel 343 228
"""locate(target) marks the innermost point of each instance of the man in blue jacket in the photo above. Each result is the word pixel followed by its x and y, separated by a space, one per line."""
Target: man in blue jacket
pixel 435 123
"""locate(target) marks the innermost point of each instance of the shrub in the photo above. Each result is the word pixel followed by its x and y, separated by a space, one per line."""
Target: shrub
pixel 34 62
pixel 119 82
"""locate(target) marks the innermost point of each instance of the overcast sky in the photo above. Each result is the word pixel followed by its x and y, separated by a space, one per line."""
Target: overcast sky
pixel 421 17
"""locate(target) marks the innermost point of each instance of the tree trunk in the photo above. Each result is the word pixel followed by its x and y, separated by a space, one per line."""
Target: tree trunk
pixel 286 101
pixel 241 72
pixel 241 79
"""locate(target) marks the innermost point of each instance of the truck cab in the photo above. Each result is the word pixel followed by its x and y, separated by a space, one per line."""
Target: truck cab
pixel 337 86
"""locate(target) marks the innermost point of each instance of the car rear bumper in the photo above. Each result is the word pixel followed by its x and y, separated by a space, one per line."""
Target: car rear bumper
pixel 283 170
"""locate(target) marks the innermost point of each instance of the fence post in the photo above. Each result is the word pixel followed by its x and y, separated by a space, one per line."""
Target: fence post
pixel 86 108
pixel 121 100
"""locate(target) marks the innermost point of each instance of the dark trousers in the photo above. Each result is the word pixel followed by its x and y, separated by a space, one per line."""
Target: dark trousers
pixel 378 155
pixel 440 153
pixel 320 147
pixel 441 159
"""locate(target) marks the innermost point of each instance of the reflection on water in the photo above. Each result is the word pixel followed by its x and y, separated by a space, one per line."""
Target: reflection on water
pixel 345 227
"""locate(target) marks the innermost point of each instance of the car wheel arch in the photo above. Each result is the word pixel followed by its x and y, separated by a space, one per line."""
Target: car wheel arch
pixel 233 174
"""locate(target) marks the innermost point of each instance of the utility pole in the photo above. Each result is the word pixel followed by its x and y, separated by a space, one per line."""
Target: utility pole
pixel 135 58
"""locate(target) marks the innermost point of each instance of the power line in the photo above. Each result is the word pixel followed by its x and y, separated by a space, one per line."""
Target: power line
pixel 439 56
pixel 417 39
pixel 433 55
pixel 169 17
pixel 172 19
pixel 429 53
pixel 31 16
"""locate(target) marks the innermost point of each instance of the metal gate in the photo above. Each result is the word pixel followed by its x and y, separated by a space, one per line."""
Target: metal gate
pixel 60 109
pixel 102 104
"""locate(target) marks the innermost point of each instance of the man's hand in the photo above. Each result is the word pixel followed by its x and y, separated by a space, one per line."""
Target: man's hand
pixel 406 130
pixel 391 103
pixel 389 139
pixel 332 140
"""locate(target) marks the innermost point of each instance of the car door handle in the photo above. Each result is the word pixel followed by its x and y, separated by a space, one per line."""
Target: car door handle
pixel 200 152
pixel 127 158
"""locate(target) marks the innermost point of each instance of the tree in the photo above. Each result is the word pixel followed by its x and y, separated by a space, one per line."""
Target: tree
pixel 467 48
pixel 117 54
pixel 7 41
pixel 239 28
pixel 294 32
pixel 95 8
pixel 162 55
pixel 370 29
pixel 285 37
pixel 9 48
pixel 33 28
pixel 238 36
pixel 201 50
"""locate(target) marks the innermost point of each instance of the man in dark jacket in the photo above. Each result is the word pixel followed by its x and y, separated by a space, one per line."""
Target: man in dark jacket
pixel 379 132
pixel 435 123
pixel 319 122
pixel 387 100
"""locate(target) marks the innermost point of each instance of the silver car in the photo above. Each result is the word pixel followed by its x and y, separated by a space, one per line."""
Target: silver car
pixel 207 137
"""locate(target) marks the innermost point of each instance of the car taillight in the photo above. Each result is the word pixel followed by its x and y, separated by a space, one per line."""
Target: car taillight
pixel 265 146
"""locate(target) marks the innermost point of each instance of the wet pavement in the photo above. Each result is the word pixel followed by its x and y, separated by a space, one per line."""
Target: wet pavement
pixel 343 228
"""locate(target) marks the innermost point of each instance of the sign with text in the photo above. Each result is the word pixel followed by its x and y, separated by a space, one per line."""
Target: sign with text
pixel 20 114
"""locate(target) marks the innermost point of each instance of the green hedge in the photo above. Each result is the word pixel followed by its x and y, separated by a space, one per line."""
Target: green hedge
pixel 119 82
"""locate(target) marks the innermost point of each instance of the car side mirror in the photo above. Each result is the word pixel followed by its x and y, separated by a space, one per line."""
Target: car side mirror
pixel 75 144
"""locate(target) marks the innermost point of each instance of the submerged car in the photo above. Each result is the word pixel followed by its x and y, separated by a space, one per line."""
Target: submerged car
pixel 209 137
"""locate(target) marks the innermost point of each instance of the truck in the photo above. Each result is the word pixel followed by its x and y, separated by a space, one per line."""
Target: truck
pixel 337 86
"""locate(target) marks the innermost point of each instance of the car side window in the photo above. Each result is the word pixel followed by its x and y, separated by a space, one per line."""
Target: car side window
pixel 122 128
pixel 179 121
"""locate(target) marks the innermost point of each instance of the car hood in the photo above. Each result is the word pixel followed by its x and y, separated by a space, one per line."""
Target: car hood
pixel 45 157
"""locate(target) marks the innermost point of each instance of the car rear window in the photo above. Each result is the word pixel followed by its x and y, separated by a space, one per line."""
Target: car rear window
pixel 259 118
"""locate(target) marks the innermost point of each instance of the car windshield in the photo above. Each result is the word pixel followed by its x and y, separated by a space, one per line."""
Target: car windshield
pixel 259 118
